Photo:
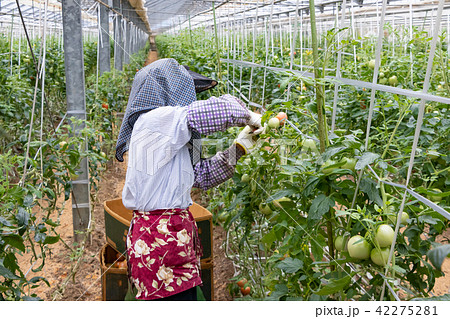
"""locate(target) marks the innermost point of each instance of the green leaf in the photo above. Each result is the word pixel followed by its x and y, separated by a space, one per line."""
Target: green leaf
pixel 317 244
pixel 15 241
pixel 22 216
pixel 369 187
pixel 311 184
pixel 319 207
pixel 334 286
pixel 445 297
pixel 4 288
pixel 366 159
pixel 5 272
pixel 51 223
pixel 332 151
pixel 437 255
pixel 51 240
pixel 399 269
pixel 28 200
pixel 280 291
pixel 282 193
pixel 290 265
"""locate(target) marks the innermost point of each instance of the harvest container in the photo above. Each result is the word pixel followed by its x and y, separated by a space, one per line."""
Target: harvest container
pixel 118 218
pixel 115 280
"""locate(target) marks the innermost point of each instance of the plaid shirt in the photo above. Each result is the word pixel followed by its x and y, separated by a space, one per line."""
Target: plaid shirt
pixel 214 115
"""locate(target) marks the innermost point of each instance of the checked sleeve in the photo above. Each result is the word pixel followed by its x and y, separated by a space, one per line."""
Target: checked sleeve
pixel 215 170
pixel 217 114
pixel 214 115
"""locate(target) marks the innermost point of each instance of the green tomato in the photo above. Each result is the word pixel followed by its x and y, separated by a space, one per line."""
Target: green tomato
pixel 277 202
pixel 403 221
pixel 274 122
pixel 379 256
pixel 340 243
pixel 102 154
pixel 381 75
pixel 350 163
pixel 222 217
pixel 384 235
pixel 62 144
pixel 372 64
pixel 437 197
pixel 245 178
pixel 358 247
pixel 326 166
pixel 383 81
pixel 393 80
pixel 309 144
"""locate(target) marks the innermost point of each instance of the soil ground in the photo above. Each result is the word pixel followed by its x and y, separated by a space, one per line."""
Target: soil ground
pixel 86 284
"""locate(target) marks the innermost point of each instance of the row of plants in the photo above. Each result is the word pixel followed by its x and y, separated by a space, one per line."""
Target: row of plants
pixel 305 217
pixel 30 187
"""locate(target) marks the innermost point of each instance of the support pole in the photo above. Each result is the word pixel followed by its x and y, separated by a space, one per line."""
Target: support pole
pixel 118 37
pixel 76 107
pixel 127 51
pixel 104 47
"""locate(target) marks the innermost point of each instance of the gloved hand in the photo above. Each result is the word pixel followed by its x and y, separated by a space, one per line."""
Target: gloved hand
pixel 247 139
pixel 255 123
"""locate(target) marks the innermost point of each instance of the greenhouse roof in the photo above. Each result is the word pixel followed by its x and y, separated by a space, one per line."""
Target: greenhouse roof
pixel 158 16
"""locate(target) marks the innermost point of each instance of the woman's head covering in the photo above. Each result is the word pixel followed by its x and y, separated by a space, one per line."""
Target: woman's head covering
pixel 161 83
pixel 201 83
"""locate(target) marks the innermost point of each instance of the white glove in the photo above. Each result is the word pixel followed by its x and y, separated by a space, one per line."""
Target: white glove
pixel 247 139
pixel 255 123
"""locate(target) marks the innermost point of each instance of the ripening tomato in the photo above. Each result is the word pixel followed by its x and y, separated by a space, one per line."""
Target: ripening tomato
pixel 282 117
pixel 245 291
pixel 241 283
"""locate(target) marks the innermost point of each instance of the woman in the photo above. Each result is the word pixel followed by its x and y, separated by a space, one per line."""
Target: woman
pixel 164 163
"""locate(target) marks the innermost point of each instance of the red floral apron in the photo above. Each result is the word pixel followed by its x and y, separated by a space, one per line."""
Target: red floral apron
pixel 163 253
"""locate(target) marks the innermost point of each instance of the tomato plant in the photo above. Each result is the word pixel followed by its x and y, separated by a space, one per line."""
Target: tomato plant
pixel 310 190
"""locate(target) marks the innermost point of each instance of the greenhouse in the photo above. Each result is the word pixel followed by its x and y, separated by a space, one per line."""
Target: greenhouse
pixel 237 150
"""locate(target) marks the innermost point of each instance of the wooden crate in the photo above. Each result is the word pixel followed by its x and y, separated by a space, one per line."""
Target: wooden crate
pixel 118 218
pixel 207 274
pixel 115 280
